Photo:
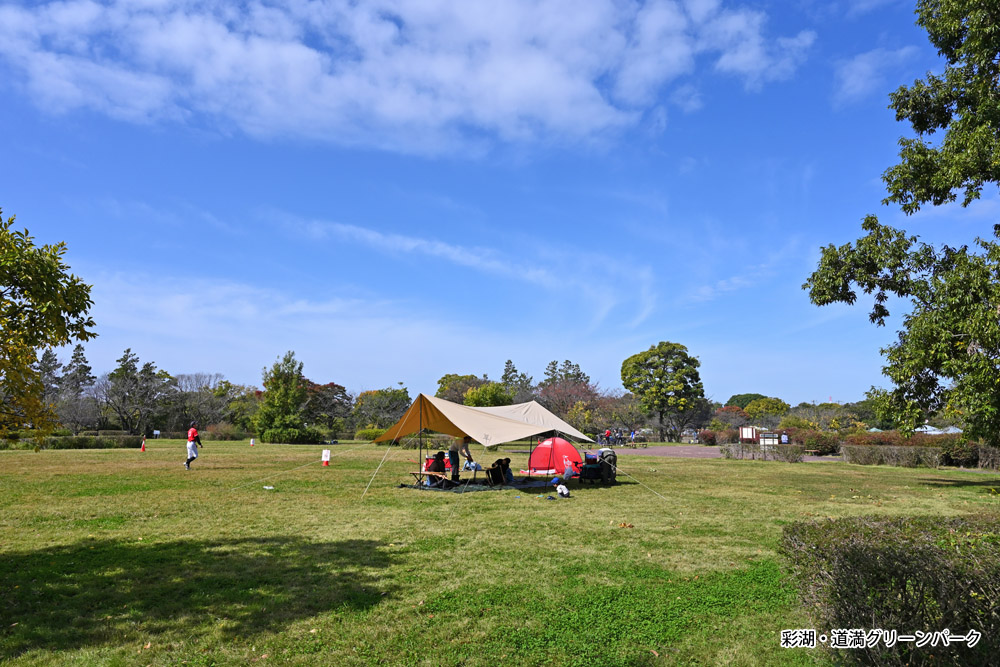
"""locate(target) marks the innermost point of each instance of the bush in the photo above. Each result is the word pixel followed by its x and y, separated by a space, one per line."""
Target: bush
pixel 369 433
pixel 292 436
pixel 824 443
pixel 77 442
pixel 906 574
pixel 728 435
pixel 989 457
pixel 223 431
pixel 788 453
pixel 907 457
pixel 750 450
pixel 961 453
pixel 706 437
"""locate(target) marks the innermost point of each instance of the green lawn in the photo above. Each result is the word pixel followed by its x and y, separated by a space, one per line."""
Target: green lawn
pixel 123 557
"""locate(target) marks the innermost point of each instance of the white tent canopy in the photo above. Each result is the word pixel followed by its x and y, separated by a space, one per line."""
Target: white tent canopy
pixel 533 413
pixel 487 426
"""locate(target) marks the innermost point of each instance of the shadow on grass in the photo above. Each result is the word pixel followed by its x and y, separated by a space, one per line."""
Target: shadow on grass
pixel 96 591
pixel 950 482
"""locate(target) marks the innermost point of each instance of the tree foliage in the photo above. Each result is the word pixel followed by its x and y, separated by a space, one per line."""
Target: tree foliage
pixel 132 392
pixel 380 408
pixel 519 384
pixel 284 396
pixel 947 355
pixel 42 306
pixel 327 404
pixel 488 395
pixel 743 400
pixel 767 411
pixel 452 387
pixel 665 379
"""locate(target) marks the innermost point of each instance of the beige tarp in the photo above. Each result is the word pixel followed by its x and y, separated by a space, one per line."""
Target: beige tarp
pixel 533 413
pixel 482 424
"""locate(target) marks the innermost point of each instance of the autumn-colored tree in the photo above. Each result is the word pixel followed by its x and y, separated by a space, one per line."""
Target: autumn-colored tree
pixel 42 306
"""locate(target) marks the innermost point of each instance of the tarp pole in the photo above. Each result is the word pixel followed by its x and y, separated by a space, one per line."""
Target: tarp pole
pixel 420 440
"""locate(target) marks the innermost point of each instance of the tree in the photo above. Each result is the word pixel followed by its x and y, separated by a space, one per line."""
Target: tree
pixel 327 404
pixel 767 411
pixel 732 415
pixel 567 372
pixel 198 398
pixel 665 379
pixel 284 397
pixel 743 400
pixel 520 384
pixel 452 387
pixel 381 408
pixel 242 403
pixel 132 393
pixel 42 306
pixel 564 386
pixel 947 355
pixel 48 367
pixel 488 395
pixel 77 408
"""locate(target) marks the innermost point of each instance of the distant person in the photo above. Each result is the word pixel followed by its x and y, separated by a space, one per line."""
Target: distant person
pixel 784 438
pixel 607 436
pixel 458 447
pixel 508 475
pixel 632 437
pixel 194 442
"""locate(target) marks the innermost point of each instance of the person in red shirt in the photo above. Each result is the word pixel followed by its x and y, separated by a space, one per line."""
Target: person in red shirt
pixel 194 442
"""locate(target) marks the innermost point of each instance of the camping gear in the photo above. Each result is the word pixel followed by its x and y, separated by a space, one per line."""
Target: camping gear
pixel 487 426
pixel 495 476
pixel 609 465
pixel 591 471
pixel 553 457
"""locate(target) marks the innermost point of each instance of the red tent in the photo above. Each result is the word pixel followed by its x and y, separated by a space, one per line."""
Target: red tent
pixel 552 457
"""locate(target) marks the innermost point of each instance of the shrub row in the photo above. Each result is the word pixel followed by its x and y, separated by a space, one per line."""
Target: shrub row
pixel 102 433
pixel 709 437
pixel 292 436
pixel 903 574
pixel 989 457
pixel 786 453
pixel 76 442
pixel 907 457
pixel 223 431
pixel 369 433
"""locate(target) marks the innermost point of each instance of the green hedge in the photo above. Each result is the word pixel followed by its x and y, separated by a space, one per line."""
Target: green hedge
pixel 77 442
pixel 908 574
pixel 906 456
pixel 292 436
pixel 369 433
pixel 786 453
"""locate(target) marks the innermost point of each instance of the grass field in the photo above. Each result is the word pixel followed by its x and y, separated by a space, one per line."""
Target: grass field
pixel 123 557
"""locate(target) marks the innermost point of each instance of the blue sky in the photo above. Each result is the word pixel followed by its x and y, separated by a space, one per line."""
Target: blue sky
pixel 402 189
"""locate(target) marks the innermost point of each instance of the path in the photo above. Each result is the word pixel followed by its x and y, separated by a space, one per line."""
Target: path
pixel 700 452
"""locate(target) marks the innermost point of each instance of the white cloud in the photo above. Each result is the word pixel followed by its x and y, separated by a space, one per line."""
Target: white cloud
pixel 592 283
pixel 396 74
pixel 865 73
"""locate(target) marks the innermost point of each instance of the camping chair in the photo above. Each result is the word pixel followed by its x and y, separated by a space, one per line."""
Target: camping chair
pixel 494 476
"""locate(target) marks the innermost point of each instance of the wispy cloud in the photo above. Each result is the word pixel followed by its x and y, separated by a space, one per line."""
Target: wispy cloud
pixel 424 76
pixel 604 286
pixel 749 276
pixel 865 74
